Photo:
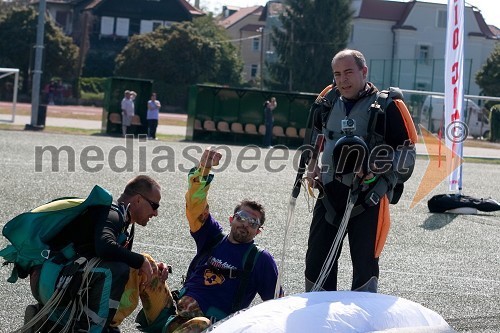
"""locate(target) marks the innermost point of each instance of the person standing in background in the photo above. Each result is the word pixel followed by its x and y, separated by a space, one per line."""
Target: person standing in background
pixel 127 106
pixel 269 106
pixel 153 116
pixel 52 92
pixel 133 95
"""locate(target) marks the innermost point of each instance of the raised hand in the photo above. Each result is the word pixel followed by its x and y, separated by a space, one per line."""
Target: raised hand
pixel 210 158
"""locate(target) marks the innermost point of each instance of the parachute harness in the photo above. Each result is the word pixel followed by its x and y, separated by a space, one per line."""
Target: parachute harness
pixel 74 306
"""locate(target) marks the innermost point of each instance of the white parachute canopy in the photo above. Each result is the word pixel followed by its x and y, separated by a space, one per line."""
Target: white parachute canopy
pixel 335 311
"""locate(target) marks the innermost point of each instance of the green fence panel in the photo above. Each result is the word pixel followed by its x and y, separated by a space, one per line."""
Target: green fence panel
pixel 243 106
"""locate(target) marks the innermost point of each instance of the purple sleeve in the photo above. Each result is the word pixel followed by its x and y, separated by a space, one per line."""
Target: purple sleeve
pixel 208 230
pixel 266 273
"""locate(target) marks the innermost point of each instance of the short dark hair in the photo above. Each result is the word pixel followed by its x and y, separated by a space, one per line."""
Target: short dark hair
pixel 140 184
pixel 359 58
pixel 254 205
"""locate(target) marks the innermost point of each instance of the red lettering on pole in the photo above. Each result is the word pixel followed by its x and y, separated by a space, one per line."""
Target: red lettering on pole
pixel 455 97
pixel 454 70
pixel 456 13
pixel 455 38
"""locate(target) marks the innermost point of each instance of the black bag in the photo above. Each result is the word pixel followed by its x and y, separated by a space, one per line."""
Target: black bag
pixel 442 202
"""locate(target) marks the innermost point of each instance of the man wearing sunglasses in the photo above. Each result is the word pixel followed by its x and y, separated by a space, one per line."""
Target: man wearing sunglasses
pixel 106 233
pixel 220 279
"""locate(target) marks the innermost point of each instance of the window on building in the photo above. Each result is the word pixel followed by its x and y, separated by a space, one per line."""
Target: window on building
pixel 442 17
pixel 63 20
pixel 424 53
pixel 157 24
pixel 107 25
pixel 146 26
pixel 253 70
pixel 422 85
pixel 109 28
pixel 256 44
pixel 122 26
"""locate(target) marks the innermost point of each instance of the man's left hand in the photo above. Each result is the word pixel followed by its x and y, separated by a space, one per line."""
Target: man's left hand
pixel 210 158
pixel 163 271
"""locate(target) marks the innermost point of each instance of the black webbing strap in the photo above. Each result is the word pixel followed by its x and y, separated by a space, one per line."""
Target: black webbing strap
pixel 332 97
pixel 250 260
pixel 381 100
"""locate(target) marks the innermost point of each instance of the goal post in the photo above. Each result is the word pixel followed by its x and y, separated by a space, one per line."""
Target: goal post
pixel 4 72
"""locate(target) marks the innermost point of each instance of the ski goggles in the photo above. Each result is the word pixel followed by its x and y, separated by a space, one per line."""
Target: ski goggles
pixel 242 216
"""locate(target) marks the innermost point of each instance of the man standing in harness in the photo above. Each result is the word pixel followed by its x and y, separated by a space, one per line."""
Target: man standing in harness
pixel 102 235
pixel 353 108
pixel 228 270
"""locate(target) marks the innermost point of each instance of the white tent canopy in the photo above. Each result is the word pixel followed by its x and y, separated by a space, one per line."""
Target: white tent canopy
pixel 6 72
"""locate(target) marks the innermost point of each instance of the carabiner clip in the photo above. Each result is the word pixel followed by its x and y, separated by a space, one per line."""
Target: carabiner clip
pixel 46 256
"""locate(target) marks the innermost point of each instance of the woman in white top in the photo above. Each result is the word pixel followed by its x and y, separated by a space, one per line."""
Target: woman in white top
pixel 153 115
pixel 127 106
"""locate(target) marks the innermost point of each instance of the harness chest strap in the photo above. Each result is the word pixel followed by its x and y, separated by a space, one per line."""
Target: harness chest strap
pixel 378 107
pixel 250 260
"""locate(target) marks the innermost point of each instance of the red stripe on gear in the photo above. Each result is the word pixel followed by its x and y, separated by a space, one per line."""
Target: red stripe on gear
pixel 383 225
pixel 410 126
pixel 324 92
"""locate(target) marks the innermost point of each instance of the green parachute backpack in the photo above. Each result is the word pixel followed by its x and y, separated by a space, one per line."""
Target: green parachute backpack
pixel 30 232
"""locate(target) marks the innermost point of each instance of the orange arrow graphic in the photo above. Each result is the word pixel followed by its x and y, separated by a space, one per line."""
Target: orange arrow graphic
pixel 436 170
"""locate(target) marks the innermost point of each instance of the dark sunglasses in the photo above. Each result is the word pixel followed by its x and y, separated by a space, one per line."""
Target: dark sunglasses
pixel 154 205
pixel 242 216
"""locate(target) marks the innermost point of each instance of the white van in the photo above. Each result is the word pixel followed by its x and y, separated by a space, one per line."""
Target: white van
pixel 432 116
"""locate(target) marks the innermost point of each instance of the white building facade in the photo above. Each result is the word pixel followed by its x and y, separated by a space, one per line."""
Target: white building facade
pixel 404 42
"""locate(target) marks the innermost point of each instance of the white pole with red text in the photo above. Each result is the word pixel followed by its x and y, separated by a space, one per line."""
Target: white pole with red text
pixel 455 126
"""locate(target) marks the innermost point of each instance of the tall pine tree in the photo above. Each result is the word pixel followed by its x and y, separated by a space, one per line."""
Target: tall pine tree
pixel 312 32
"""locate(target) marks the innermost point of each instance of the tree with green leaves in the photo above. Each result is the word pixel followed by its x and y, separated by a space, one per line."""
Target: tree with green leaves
pixel 18 27
pixel 312 32
pixel 488 77
pixel 185 53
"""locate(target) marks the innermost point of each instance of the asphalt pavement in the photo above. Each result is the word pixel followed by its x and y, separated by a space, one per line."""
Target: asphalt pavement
pixel 448 263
